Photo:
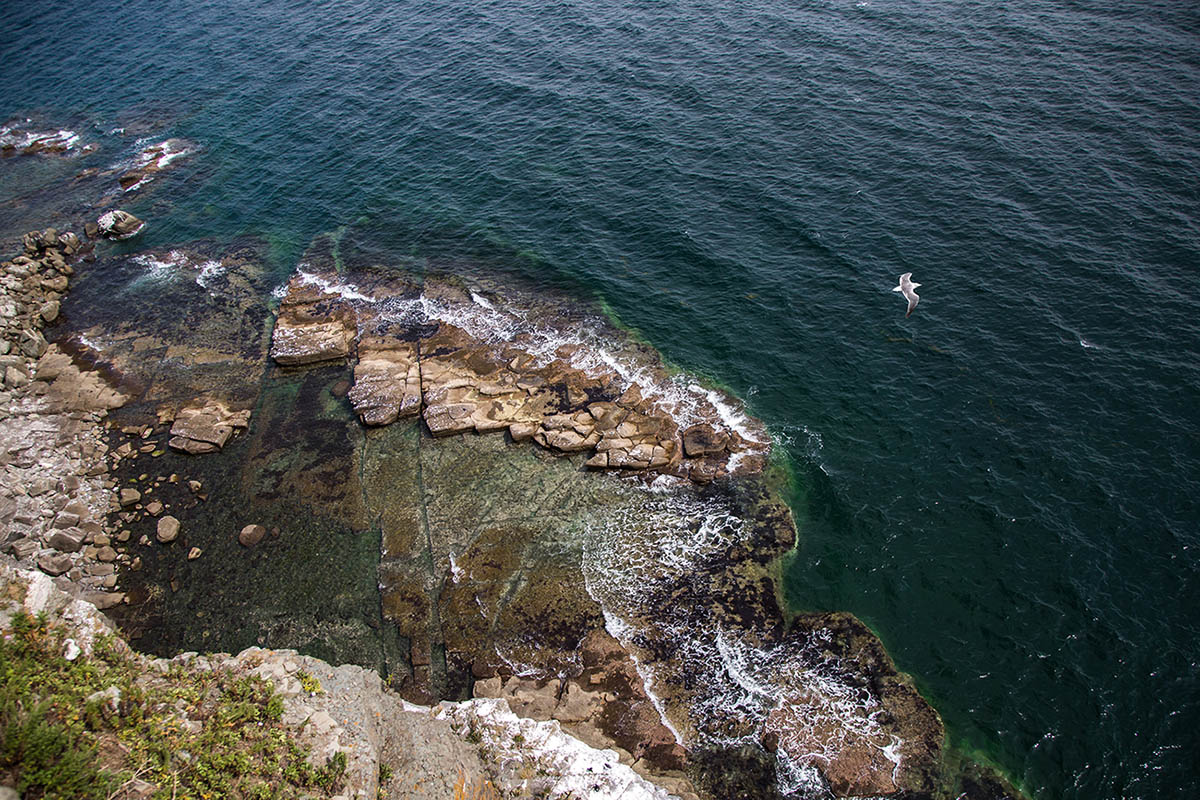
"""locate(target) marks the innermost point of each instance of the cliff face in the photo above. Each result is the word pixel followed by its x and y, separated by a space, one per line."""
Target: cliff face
pixel 345 733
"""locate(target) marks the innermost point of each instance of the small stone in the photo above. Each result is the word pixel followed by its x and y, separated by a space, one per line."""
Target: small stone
pixel 106 554
pixel 168 529
pixel 194 553
pixel 129 497
pixel 104 600
pixel 68 541
pixel 154 508
pixel 195 486
pixel 251 535
pixel 24 548
pixel 54 564
pixel 49 311
pixel 125 535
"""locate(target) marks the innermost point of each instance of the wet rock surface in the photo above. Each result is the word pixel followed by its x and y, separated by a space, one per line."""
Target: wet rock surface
pixel 435 350
pixel 118 224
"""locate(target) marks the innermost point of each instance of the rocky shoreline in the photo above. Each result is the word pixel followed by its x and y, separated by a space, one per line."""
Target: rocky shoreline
pixel 563 523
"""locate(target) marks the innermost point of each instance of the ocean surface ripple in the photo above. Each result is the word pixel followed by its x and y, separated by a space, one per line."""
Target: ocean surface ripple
pixel 1005 485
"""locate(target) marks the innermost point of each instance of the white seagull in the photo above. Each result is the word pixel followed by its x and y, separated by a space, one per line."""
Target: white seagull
pixel 909 289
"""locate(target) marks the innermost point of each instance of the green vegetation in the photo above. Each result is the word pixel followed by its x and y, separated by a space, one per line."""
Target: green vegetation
pixel 96 726
pixel 309 683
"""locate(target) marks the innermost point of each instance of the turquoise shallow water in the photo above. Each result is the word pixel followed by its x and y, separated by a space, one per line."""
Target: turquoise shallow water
pixel 1004 485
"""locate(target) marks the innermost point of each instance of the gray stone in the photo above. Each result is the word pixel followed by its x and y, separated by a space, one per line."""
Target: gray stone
pixel 24 548
pixel 67 541
pixel 103 600
pixel 129 497
pixel 54 563
pixel 168 529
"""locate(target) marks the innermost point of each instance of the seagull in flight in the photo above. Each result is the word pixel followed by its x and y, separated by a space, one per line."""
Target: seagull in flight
pixel 908 288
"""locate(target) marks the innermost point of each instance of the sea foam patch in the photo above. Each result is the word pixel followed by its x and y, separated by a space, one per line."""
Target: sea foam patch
pixel 14 137
pixel 715 684
pixel 161 268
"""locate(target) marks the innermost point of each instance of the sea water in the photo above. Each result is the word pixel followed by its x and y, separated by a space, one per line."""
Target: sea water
pixel 1004 485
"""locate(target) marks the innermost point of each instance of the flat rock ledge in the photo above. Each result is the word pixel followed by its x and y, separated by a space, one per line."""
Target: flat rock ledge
pixel 465 364
pixel 447 751
pixel 206 428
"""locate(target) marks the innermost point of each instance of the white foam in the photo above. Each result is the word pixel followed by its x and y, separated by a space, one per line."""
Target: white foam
pixel 346 291
pixel 483 301
pixel 528 747
pixel 159 269
pixel 164 267
pixel 153 158
pixel 723 687
pixel 619 630
pixel 209 271
pixel 21 139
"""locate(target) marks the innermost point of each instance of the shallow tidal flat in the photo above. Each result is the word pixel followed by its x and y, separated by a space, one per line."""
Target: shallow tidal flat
pixel 479 490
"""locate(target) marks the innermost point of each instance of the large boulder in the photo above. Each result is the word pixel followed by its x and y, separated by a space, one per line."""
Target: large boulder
pixel 118 224
pixel 205 429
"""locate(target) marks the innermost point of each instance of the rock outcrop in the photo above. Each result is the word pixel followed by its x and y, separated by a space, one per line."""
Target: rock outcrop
pixel 206 428
pixel 55 495
pixel 118 224
pixel 460 380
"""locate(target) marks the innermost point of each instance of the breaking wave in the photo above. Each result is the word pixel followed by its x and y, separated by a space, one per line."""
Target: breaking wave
pixel 649 567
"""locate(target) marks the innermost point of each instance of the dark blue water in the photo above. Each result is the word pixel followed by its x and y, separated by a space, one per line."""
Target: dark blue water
pixel 1004 485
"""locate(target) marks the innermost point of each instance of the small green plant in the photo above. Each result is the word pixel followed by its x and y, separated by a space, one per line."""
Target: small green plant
pixel 385 777
pixel 309 683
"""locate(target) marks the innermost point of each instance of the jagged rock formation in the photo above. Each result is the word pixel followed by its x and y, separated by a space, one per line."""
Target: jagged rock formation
pixel 118 224
pixel 461 381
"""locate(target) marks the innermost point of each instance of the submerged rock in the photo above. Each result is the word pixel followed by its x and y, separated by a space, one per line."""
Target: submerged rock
pixel 251 535
pixel 16 139
pixel 151 160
